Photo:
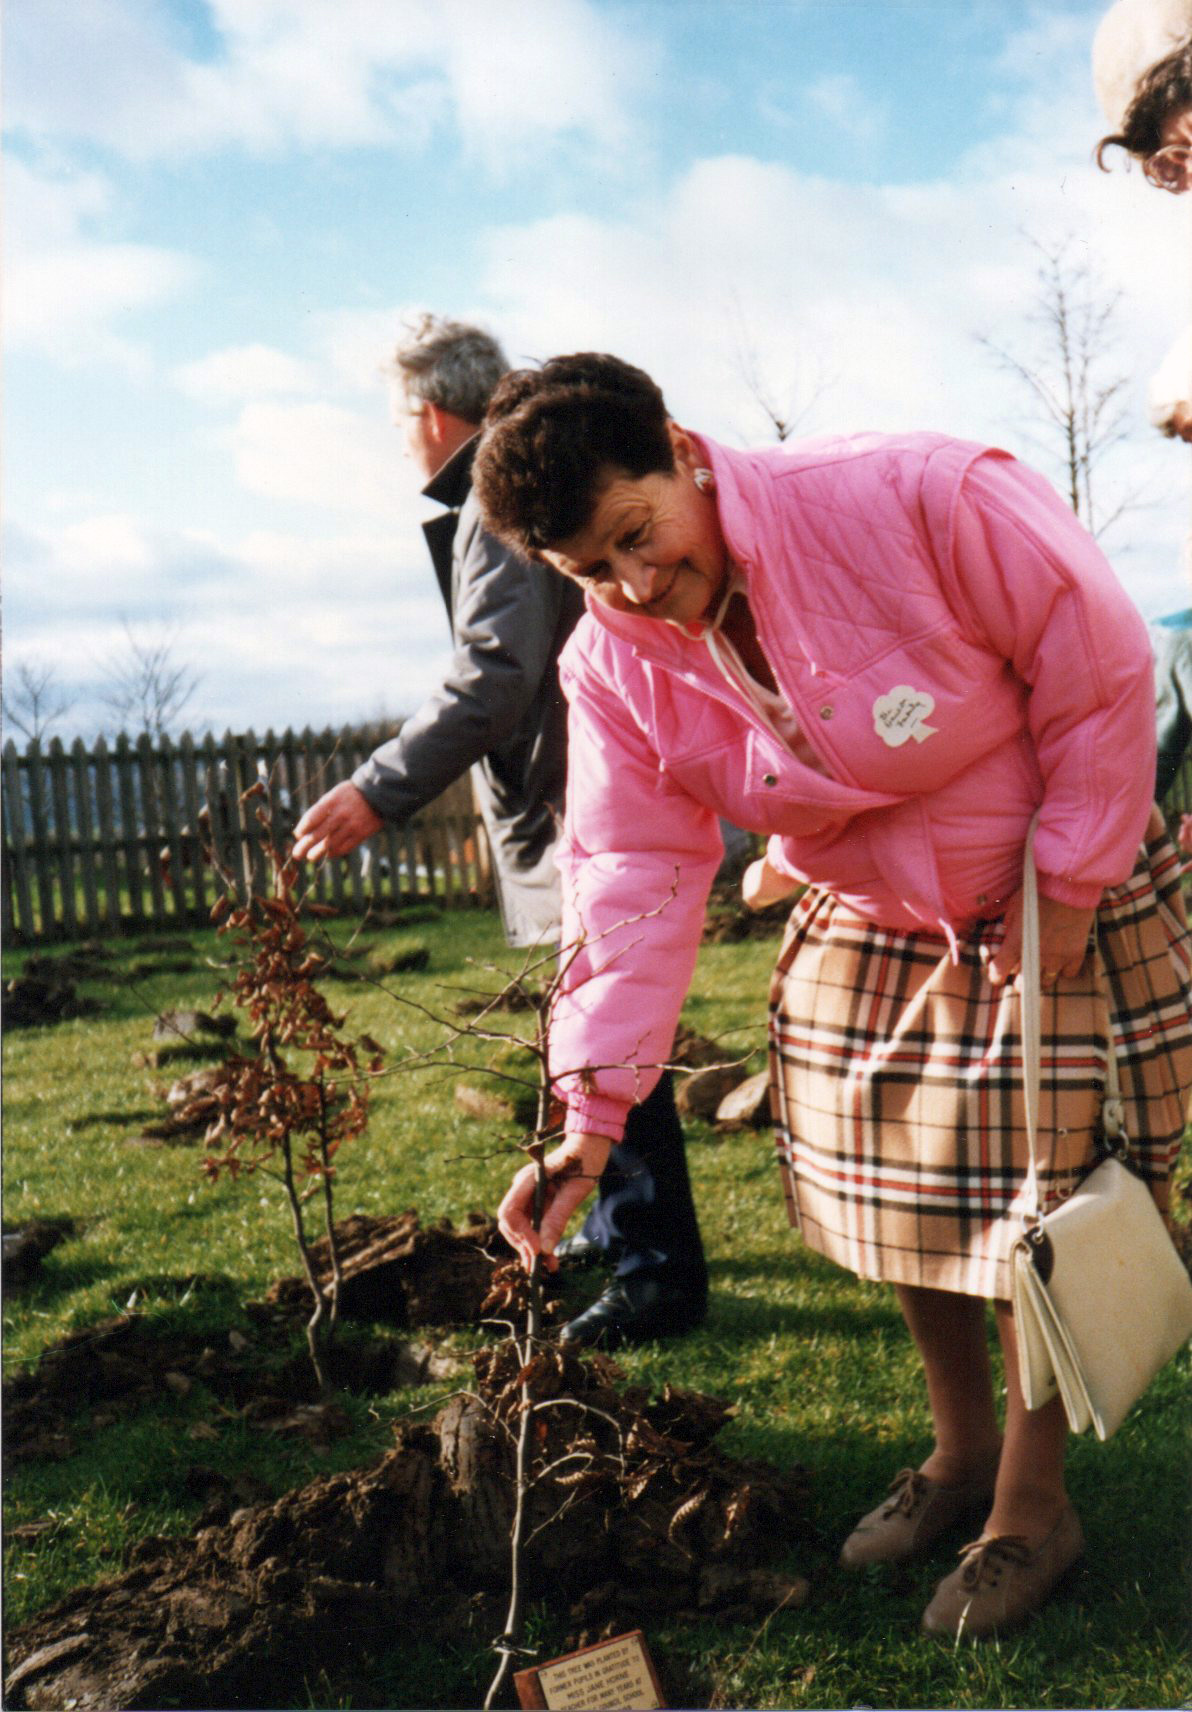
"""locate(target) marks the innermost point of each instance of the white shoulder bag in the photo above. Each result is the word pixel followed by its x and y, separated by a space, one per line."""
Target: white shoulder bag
pixel 1101 1298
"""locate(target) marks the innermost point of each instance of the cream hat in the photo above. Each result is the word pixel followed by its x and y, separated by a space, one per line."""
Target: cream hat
pixel 1131 36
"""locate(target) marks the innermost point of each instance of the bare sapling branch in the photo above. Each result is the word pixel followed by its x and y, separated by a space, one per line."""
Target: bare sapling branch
pixel 507 1644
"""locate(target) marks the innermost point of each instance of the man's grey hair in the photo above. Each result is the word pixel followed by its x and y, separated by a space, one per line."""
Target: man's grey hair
pixel 450 364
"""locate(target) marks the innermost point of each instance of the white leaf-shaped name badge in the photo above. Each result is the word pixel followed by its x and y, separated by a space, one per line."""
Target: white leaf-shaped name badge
pixel 901 713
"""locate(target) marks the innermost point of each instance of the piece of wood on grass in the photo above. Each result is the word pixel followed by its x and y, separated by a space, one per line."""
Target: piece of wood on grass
pixel 748 1104
pixel 699 1095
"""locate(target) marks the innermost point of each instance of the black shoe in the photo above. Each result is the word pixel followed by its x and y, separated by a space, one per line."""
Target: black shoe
pixel 582 1251
pixel 634 1309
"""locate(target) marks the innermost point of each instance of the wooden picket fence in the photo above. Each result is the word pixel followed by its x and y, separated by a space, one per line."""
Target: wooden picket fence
pixel 117 839
pixel 112 840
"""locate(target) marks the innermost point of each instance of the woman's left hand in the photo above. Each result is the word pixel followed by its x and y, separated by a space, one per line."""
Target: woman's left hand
pixel 1063 941
pixel 762 885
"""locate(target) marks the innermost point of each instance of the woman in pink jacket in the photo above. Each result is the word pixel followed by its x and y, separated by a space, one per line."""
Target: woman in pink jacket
pixel 886 654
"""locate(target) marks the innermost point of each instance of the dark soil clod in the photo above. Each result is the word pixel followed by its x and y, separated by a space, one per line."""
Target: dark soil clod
pixel 26 1246
pixel 394 1272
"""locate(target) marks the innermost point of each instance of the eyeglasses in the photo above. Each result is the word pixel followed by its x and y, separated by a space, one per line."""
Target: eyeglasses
pixel 1170 168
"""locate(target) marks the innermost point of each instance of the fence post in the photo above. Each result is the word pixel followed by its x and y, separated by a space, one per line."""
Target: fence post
pixel 350 759
pixel 62 830
pixel 307 788
pixel 192 838
pixel 218 795
pixel 151 821
pixel 175 882
pixel 391 833
pixel 130 836
pixel 81 772
pixel 332 772
pixel 17 842
pixel 41 842
pixel 105 808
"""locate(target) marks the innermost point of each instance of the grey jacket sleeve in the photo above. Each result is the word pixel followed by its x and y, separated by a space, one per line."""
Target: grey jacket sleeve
pixel 505 621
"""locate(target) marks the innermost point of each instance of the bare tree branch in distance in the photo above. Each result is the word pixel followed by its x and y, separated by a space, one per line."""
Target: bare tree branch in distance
pixel 1067 366
pixel 146 685
pixel 34 700
pixel 785 407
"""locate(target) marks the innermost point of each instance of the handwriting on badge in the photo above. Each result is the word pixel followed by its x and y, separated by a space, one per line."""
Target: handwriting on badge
pixel 901 714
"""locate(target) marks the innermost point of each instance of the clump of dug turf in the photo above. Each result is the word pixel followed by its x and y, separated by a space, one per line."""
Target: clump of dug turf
pixel 394 1272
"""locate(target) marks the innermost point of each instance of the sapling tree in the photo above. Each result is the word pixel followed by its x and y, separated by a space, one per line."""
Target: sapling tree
pixel 532 993
pixel 288 1109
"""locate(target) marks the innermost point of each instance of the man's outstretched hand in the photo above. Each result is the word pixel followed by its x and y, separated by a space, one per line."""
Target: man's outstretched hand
pixel 336 824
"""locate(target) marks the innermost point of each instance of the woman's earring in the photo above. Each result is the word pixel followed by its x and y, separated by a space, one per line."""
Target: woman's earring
pixel 704 480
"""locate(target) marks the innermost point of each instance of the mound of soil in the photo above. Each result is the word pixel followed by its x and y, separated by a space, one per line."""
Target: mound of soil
pixel 26 1246
pixel 634 1512
pixel 729 921
pixel 39 1000
pixel 393 1271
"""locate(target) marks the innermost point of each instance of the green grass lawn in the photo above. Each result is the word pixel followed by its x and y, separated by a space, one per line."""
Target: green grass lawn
pixel 817 1363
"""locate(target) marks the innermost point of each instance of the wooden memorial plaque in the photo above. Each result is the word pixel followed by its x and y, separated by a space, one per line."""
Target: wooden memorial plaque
pixel 612 1676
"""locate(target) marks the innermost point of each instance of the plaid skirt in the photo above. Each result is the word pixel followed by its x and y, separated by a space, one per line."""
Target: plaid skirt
pixel 896 1078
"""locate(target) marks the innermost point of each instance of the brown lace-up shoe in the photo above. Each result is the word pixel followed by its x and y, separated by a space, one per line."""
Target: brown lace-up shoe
pixel 1001 1581
pixel 913 1515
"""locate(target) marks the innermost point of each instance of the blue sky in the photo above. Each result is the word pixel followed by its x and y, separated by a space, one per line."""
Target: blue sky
pixel 220 212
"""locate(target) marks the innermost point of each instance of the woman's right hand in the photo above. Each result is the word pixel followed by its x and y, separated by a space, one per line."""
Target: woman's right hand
pixel 572 1171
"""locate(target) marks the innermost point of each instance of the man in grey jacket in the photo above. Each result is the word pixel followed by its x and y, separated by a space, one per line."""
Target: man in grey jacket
pixel 499 710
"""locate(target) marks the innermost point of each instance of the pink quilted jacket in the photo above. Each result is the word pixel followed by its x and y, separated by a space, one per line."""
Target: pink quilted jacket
pixel 957 652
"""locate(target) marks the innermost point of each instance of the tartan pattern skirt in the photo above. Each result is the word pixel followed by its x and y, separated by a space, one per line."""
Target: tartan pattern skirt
pixel 896 1078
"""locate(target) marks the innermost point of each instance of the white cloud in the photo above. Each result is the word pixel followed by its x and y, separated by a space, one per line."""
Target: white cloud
pixel 283 628
pixel 357 344
pixel 106 543
pixel 840 97
pixel 244 372
pixel 319 454
pixel 65 292
pixel 326 73
pixel 546 68
pixel 105 564
pixel 61 303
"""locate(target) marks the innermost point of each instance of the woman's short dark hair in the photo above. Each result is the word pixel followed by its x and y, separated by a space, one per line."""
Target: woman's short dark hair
pixel 1165 88
pixel 552 435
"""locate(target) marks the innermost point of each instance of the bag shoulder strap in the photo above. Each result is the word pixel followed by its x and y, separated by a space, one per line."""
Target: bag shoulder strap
pixel 1029 987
